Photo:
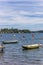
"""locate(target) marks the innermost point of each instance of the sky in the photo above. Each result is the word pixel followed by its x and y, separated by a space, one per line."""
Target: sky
pixel 21 14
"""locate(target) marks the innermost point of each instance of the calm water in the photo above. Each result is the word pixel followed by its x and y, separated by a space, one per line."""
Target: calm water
pixel 15 55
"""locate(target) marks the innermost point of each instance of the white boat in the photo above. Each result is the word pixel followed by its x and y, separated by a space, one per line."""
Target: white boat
pixel 33 46
pixel 10 41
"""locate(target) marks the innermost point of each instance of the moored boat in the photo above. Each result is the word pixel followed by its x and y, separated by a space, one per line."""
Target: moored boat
pixel 2 47
pixel 33 46
pixel 10 41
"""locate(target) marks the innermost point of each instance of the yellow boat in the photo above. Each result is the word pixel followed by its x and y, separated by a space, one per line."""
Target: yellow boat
pixel 33 46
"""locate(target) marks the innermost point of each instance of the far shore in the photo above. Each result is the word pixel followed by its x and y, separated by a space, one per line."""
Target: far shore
pixel 6 30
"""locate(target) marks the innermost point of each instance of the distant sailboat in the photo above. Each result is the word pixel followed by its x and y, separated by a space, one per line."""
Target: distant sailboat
pixel 14 35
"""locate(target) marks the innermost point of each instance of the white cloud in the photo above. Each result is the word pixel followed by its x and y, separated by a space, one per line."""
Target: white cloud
pixel 25 20
pixel 22 0
pixel 29 13
pixel 18 18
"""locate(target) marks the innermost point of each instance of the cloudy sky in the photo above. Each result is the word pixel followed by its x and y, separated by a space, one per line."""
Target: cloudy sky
pixel 21 14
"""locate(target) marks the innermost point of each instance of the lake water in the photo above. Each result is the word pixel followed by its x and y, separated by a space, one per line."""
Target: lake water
pixel 14 54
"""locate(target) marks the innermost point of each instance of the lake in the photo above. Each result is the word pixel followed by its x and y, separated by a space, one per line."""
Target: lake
pixel 14 54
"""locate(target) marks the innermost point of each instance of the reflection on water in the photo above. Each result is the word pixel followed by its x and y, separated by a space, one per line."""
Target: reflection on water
pixel 14 54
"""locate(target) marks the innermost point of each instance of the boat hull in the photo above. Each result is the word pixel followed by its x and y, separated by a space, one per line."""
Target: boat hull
pixel 34 46
pixel 10 42
pixel 2 47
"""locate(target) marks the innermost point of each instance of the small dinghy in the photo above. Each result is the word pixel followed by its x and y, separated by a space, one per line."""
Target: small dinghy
pixel 33 46
pixel 10 41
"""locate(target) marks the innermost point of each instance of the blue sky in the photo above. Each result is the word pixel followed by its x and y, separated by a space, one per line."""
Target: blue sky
pixel 21 14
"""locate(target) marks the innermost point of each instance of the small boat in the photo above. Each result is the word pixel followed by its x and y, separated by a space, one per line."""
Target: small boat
pixel 2 47
pixel 10 41
pixel 33 46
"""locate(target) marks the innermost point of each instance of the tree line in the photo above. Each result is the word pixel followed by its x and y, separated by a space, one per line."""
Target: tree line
pixel 6 30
